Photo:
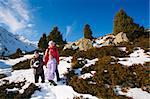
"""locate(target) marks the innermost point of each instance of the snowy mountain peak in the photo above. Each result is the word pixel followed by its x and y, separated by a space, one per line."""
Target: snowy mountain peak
pixel 10 42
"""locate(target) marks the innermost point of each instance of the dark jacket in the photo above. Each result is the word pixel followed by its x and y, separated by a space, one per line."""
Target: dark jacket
pixel 38 69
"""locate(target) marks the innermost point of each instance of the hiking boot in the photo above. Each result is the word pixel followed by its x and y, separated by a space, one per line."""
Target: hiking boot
pixel 52 83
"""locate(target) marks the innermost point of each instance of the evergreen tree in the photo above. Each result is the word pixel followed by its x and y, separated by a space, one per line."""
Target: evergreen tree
pixel 65 41
pixel 19 51
pixel 56 36
pixel 124 23
pixel 43 42
pixel 87 32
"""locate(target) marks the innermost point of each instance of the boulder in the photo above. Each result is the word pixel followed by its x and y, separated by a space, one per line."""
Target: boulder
pixel 84 44
pixel 22 65
pixel 2 76
pixel 120 37
pixel 70 46
pixel 104 41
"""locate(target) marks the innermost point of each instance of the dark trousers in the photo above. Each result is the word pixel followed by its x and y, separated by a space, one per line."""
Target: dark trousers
pixel 37 77
pixel 57 73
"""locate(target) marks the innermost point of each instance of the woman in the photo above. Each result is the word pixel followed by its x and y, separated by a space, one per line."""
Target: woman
pixel 51 59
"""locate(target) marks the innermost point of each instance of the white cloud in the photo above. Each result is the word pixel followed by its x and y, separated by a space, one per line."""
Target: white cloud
pixel 68 30
pixel 15 15
pixel 30 25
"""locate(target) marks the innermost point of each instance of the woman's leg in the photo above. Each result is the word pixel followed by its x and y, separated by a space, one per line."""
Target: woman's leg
pixel 57 73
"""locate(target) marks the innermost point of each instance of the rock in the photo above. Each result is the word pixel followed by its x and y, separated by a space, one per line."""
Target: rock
pixel 120 37
pixel 28 92
pixel 108 42
pixel 104 41
pixel 10 90
pixel 70 46
pixel 22 65
pixel 2 76
pixel 11 93
pixel 84 44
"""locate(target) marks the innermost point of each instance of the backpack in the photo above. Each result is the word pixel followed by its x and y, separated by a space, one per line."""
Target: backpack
pixel 46 58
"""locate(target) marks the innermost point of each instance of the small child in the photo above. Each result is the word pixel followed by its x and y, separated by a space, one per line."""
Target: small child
pixel 37 64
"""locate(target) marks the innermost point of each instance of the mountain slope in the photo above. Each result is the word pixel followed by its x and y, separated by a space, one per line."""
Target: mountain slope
pixel 25 40
pixel 10 42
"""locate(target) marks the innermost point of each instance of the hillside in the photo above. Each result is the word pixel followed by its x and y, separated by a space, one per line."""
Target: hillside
pixel 10 42
pixel 113 72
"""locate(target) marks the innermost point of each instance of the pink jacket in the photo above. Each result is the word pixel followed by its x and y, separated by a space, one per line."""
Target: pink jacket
pixel 54 52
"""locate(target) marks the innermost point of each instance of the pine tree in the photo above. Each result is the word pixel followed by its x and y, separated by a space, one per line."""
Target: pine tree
pixel 124 23
pixel 43 42
pixel 56 36
pixel 19 51
pixel 87 32
pixel 65 41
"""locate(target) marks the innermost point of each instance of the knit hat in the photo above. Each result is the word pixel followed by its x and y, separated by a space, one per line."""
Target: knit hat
pixel 51 42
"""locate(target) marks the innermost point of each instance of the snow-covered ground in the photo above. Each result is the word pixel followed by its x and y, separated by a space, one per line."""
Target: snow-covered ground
pixel 58 92
pixel 135 93
pixel 88 63
pixel 63 91
pixel 5 65
pixel 137 57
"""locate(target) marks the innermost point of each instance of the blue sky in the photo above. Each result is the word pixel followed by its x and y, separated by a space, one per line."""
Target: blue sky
pixel 71 15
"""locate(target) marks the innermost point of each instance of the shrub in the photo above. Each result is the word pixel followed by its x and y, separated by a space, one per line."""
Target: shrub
pixel 22 65
pixel 32 52
pixel 87 69
pixel 100 52
pixel 4 94
pixel 101 91
pixel 147 64
pixel 68 52
pixel 28 92
pixel 2 76
pixel 78 64
pixel 17 54
pixel 10 95
pixel 142 42
pixel 108 76
pixel 69 75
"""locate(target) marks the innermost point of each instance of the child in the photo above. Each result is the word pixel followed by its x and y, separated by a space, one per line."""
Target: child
pixel 37 64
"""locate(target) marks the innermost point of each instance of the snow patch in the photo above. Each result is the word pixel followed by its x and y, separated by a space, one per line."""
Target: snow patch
pixel 137 57
pixel 88 75
pixel 90 62
pixel 135 93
